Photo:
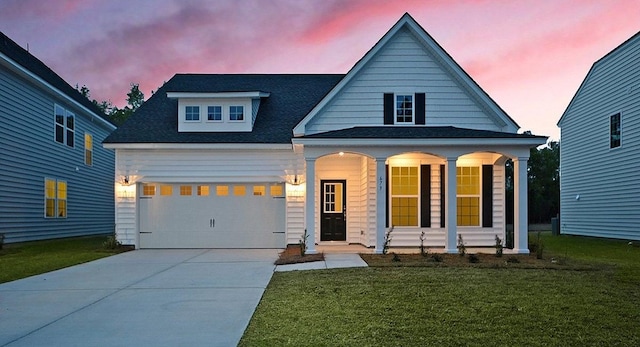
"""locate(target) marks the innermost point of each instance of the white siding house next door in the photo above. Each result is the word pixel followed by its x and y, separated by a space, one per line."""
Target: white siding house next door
pixel 212 215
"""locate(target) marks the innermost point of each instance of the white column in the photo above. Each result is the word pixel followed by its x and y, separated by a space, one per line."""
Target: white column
pixel 310 205
pixel 451 203
pixel 520 215
pixel 381 203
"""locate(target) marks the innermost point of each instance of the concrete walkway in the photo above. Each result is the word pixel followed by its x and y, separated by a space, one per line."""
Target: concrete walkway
pixel 145 298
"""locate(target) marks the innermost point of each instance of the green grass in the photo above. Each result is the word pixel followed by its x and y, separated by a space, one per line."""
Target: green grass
pixel 460 306
pixel 31 258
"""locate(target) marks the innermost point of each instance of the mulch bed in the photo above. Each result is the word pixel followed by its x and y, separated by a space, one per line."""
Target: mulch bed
pixel 291 255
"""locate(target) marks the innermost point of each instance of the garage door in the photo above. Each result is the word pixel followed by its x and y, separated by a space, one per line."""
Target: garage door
pixel 212 215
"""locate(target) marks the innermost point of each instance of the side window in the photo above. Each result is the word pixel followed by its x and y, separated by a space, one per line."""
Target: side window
pixel 55 198
pixel 615 131
pixel 88 149
pixel 71 120
pixel 59 115
pixel 64 125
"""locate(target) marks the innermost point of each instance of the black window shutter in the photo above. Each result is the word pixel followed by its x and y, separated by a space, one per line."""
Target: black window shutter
pixel 487 196
pixel 425 196
pixel 386 194
pixel 420 111
pixel 388 108
pixel 442 196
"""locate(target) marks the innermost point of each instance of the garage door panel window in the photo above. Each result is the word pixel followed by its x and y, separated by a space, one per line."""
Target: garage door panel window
pixel 186 190
pixel 148 190
pixel 239 190
pixel 222 190
pixel 276 190
pixel 203 190
pixel 259 190
pixel 166 190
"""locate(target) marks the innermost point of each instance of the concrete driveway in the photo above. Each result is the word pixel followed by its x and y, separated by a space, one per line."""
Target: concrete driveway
pixel 139 298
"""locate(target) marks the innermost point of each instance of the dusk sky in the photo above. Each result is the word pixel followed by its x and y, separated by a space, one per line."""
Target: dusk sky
pixel 530 56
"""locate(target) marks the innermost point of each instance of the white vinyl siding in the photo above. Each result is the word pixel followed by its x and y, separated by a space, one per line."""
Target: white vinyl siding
pixel 605 179
pixel 403 66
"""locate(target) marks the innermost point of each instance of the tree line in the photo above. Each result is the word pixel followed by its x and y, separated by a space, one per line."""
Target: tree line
pixel 135 99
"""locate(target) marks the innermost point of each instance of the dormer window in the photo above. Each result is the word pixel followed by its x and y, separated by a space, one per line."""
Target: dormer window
pixel 214 113
pixel 404 109
pixel 192 113
pixel 236 113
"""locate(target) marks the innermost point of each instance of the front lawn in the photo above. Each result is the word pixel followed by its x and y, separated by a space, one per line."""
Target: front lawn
pixel 413 305
pixel 31 258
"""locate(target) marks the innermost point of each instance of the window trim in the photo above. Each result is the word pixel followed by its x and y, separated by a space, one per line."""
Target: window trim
pixel 231 113
pixel 619 132
pixel 186 114
pixel 221 114
pixel 88 149
pixel 413 108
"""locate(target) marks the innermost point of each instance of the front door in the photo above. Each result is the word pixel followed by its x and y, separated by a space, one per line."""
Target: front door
pixel 333 213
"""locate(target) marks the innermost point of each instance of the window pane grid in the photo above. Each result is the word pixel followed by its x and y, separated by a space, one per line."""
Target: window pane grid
pixel 236 113
pixel 404 108
pixel 615 131
pixel 192 113
pixel 214 113
pixel 404 191
pixel 148 190
pixel 203 190
pixel 468 196
pixel 186 190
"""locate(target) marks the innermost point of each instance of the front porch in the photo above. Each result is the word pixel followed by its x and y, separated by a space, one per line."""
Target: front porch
pixel 425 195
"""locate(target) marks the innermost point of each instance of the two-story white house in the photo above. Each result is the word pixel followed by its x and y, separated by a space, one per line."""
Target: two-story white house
pixel 406 139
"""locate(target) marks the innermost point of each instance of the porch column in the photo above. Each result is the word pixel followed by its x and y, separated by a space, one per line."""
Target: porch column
pixel 381 203
pixel 451 213
pixel 520 216
pixel 310 205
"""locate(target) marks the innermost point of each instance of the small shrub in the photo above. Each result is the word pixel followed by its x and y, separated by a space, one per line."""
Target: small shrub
pixel 499 247
pixel 396 258
pixel 462 249
pixel 111 243
pixel 539 246
pixel 513 260
pixel 423 250
pixel 473 258
pixel 387 240
pixel 437 258
pixel 303 243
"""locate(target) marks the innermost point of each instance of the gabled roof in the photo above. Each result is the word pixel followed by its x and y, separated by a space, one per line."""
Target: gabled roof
pixel 595 65
pixel 473 89
pixel 291 98
pixel 18 55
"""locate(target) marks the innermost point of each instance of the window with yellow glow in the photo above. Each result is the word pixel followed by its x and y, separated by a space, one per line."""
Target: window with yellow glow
pixel 222 190
pixel 239 190
pixel 88 149
pixel 203 190
pixel 259 190
pixel 276 190
pixel 404 195
pixel 166 190
pixel 186 190
pixel 148 190
pixel 55 196
pixel 468 198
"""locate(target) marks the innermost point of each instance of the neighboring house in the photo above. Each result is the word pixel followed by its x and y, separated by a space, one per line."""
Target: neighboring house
pixel 56 180
pixel 406 139
pixel 600 149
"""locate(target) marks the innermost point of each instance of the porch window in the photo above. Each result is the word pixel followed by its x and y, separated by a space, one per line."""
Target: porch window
pixel 468 198
pixel 404 196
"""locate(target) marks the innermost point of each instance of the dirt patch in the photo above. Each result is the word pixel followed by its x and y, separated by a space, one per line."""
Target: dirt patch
pixel 291 255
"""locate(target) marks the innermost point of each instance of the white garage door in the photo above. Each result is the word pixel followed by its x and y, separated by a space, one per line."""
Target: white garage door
pixel 212 215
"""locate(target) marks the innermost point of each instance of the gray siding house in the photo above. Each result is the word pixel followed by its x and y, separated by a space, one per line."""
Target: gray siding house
pixel 600 149
pixel 56 180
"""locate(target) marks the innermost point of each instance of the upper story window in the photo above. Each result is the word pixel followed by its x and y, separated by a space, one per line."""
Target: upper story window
pixel 88 149
pixel 64 125
pixel 615 132
pixel 404 109
pixel 192 113
pixel 214 113
pixel 236 113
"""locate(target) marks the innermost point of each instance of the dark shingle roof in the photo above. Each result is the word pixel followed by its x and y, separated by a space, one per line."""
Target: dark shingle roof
pixel 415 132
pixel 291 98
pixel 29 62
